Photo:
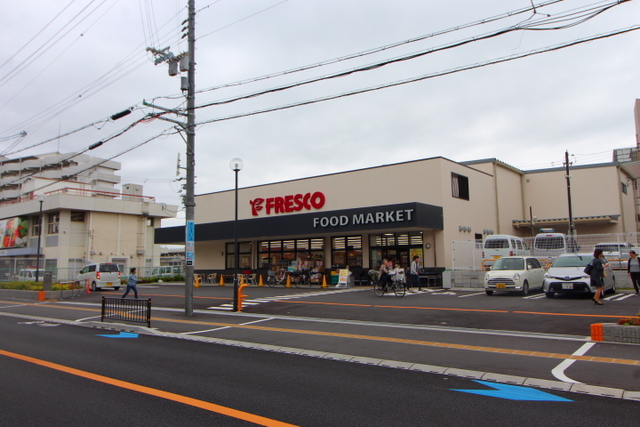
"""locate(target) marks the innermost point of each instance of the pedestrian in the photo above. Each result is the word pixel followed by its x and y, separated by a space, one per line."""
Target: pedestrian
pixel 633 270
pixel 131 283
pixel 597 274
pixel 414 275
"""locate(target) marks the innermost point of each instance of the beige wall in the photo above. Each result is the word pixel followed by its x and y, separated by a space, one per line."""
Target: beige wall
pixel 595 191
pixel 499 194
pixel 425 181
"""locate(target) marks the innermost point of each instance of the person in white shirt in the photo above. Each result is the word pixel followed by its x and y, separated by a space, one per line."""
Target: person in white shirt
pixel 414 275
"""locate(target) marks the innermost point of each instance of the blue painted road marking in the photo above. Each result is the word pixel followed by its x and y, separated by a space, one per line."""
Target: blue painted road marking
pixel 121 335
pixel 514 392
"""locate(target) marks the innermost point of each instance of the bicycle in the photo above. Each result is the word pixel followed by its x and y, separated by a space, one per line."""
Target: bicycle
pixel 300 277
pixel 398 287
pixel 279 279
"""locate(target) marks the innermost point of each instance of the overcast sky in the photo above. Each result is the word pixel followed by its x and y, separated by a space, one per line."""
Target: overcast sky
pixel 70 63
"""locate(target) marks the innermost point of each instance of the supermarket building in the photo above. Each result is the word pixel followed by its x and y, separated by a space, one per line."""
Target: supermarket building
pixel 357 218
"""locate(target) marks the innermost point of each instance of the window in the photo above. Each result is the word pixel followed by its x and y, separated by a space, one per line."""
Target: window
pixel 54 223
pixel 244 255
pixel 77 216
pixel 624 187
pixel 35 226
pixel 459 186
pixel 346 251
pixel 298 254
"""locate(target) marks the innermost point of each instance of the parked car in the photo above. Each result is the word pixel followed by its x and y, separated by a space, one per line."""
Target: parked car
pixel 566 276
pixel 514 274
pixel 499 245
pixel 553 244
pixel 167 271
pixel 103 274
pixel 617 253
pixel 29 275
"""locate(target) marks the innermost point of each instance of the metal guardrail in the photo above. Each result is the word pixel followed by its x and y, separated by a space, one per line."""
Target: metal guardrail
pixel 128 310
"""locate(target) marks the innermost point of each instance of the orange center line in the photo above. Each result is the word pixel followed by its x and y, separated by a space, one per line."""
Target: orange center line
pixel 197 403
pixel 417 342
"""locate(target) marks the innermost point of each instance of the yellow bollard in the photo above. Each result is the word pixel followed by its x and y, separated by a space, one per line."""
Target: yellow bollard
pixel 324 281
pixel 241 279
pixel 221 280
pixel 240 296
pixel 288 285
pixel 260 282
pixel 196 284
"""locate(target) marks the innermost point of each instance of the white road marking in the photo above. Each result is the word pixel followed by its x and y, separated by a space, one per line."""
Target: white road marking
pixel 558 371
pixel 472 295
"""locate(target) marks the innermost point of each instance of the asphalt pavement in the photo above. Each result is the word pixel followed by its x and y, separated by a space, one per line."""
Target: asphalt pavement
pixel 522 340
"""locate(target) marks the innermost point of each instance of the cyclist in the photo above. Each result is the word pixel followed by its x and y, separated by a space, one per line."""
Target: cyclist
pixel 385 273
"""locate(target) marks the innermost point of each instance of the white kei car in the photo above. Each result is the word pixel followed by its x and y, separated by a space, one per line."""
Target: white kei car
pixel 514 274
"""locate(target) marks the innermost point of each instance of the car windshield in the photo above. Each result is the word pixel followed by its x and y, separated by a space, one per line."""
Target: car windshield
pixel 509 264
pixel 108 268
pixel 609 248
pixel 549 242
pixel 572 261
pixel 496 244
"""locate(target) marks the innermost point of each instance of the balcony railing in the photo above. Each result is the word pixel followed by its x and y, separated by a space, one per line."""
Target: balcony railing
pixel 69 191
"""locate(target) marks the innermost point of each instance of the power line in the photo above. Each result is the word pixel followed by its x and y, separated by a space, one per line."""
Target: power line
pixel 428 76
pixel 582 15
pixel 381 48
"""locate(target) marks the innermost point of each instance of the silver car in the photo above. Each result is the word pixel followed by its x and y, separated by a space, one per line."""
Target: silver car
pixel 566 276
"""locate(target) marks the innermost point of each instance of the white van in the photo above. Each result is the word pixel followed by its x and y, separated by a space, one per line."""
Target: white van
pixel 553 245
pixel 499 245
pixel 167 271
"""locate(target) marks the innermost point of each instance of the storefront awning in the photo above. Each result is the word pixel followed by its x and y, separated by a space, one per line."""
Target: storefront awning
pixel 368 219
pixel 555 222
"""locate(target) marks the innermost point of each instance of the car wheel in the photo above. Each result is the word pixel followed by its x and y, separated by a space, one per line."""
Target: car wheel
pixel 525 288
pixel 613 285
pixel 117 288
pixel 94 287
pixel 549 294
pixel 489 293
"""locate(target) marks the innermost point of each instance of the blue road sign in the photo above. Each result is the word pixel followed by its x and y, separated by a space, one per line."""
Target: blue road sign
pixel 514 392
pixel 120 335
pixel 191 231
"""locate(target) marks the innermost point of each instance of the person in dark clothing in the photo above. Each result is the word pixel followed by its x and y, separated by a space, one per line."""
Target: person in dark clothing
pixel 633 270
pixel 597 274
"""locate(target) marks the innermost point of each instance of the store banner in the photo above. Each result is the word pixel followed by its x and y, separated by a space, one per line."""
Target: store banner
pixel 15 232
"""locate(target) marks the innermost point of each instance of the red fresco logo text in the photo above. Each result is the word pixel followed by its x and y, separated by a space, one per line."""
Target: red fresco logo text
pixel 287 204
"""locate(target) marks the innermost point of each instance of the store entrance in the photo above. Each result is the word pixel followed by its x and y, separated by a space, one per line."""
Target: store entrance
pixel 397 255
pixel 397 247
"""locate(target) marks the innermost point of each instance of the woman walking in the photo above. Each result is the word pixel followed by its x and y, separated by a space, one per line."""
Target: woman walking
pixel 597 275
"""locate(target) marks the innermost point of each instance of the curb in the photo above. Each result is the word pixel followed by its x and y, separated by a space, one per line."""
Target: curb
pixel 393 364
pixel 612 332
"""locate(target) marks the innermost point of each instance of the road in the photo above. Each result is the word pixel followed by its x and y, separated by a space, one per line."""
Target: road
pixel 436 336
pixel 63 375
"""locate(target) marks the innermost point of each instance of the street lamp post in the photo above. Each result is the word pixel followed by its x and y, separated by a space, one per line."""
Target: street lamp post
pixel 41 200
pixel 236 166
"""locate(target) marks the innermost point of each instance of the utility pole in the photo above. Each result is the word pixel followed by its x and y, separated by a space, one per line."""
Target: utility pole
pixel 572 229
pixel 189 202
pixel 164 55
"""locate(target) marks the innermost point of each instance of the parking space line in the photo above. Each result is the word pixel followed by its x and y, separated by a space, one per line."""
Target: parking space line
pixel 618 297
pixel 472 295
pixel 558 371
